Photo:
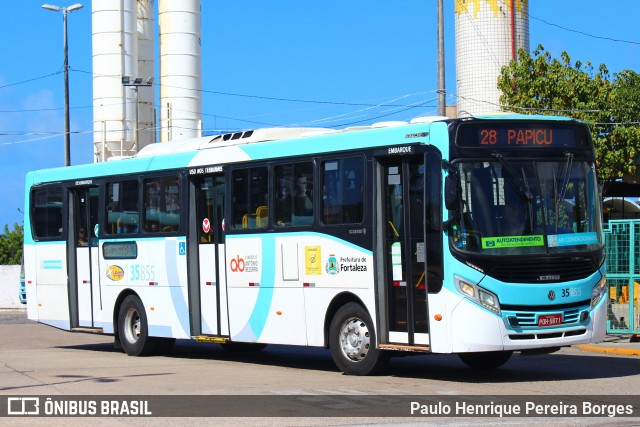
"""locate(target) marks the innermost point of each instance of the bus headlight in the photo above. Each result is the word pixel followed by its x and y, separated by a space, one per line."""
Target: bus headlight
pixel 597 292
pixel 479 295
pixel 489 300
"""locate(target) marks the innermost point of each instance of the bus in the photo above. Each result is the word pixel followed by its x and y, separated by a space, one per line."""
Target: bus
pixel 477 236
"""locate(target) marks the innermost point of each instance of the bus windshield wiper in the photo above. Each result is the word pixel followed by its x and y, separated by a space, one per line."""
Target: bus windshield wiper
pixel 522 186
pixel 567 176
pixel 560 195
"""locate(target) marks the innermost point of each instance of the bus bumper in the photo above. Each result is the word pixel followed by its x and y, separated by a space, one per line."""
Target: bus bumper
pixel 477 329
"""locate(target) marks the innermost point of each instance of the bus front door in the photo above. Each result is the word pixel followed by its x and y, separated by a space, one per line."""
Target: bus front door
pixel 84 280
pixel 207 282
pixel 402 280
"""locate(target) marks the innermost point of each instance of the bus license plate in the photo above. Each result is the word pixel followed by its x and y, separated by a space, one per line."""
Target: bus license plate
pixel 549 320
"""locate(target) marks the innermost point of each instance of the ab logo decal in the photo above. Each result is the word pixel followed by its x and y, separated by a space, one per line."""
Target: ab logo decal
pixel 237 264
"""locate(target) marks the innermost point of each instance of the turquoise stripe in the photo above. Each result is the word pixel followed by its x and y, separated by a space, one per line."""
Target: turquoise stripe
pixel 258 318
pixel 260 313
pixel 181 306
pixel 337 142
pixel 125 166
pixel 515 116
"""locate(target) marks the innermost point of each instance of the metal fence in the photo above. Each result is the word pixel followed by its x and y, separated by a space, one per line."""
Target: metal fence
pixel 622 246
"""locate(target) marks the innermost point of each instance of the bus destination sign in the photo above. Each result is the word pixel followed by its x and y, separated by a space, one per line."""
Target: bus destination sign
pixel 506 135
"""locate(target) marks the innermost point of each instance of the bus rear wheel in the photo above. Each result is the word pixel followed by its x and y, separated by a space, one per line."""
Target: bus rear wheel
pixel 133 329
pixel 485 360
pixel 352 341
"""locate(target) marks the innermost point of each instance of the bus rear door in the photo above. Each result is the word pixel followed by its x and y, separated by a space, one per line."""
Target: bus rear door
pixel 84 279
pixel 207 283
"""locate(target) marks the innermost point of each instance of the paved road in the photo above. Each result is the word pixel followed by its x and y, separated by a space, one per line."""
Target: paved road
pixel 40 360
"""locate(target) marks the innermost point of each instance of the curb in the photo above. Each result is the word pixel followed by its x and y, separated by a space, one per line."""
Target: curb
pixel 610 350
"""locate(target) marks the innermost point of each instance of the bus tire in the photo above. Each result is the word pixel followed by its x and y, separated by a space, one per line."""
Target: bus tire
pixel 485 360
pixel 133 329
pixel 352 341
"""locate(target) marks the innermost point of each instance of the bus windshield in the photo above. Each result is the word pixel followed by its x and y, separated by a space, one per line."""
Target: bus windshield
pixel 517 207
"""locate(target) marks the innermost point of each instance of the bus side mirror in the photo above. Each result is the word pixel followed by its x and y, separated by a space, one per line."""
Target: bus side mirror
pixel 452 192
pixel 451 199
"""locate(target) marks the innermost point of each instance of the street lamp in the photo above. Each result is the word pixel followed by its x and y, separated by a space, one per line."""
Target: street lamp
pixel 135 83
pixel 67 136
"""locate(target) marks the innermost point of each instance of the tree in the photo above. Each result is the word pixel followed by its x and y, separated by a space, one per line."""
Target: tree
pixel 539 84
pixel 623 145
pixel 11 245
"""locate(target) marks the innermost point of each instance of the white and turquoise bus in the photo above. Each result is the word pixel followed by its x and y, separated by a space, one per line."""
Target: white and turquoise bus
pixel 478 236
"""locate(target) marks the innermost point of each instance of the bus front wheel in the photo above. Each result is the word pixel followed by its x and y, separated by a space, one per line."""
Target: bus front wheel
pixel 485 360
pixel 133 329
pixel 352 341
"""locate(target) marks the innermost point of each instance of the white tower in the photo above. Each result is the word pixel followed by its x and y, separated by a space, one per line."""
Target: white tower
pixel 124 97
pixel 146 94
pixel 180 69
pixel 115 54
pixel 489 34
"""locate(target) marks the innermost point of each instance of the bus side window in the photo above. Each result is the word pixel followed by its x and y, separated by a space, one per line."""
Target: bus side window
pixel 330 199
pixel 303 200
pixel 123 215
pixel 294 199
pixel 46 215
pixel 284 194
pixel 162 204
pixel 353 200
pixel 250 195
pixel 342 187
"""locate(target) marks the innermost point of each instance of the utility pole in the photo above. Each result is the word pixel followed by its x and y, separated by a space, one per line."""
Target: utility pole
pixel 442 107
pixel 135 83
pixel 67 132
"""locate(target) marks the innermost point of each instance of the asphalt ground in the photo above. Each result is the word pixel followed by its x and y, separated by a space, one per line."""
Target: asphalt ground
pixel 60 375
pixel 623 345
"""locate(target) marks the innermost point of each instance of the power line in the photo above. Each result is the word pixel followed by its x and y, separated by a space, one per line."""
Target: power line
pixel 336 117
pixel 38 110
pixel 270 98
pixel 255 122
pixel 551 110
pixel 49 135
pixel 422 104
pixel 584 33
pixel 244 95
pixel 30 80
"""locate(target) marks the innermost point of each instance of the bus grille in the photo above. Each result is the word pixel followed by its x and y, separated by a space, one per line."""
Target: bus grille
pixel 547 335
pixel 526 317
pixel 545 271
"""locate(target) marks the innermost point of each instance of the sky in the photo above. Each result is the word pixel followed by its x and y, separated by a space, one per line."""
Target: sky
pixel 309 63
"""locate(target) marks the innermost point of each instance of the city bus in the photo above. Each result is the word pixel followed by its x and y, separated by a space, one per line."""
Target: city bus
pixel 477 236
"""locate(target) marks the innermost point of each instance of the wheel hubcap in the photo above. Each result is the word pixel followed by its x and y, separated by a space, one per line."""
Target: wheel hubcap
pixel 132 325
pixel 355 339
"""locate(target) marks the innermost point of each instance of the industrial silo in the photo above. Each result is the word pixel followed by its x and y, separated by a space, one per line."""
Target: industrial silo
pixel 123 91
pixel 180 69
pixel 489 34
pixel 146 63
pixel 114 54
pixel 124 96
